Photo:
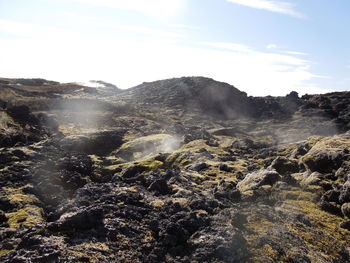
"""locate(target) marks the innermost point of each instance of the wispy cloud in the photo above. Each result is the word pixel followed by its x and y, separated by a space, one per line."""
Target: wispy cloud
pixel 128 60
pixel 271 46
pixel 156 8
pixel 271 5
pixel 149 31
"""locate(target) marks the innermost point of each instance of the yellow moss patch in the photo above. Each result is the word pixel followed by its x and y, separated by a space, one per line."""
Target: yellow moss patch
pixel 4 252
pixel 94 251
pixel 16 196
pixel 158 203
pixel 180 200
pixel 325 236
pixel 143 147
pixel 259 225
pixel 151 163
pixel 27 216
pixel 296 193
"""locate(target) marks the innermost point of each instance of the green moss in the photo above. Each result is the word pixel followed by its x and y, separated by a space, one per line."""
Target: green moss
pixel 27 216
pixel 297 194
pixel 17 196
pixel 4 252
pixel 324 236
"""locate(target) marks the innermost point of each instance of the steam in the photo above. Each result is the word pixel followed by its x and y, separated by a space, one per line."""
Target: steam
pixel 145 147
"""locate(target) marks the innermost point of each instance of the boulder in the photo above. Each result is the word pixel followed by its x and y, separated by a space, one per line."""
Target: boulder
pixel 218 244
pixel 160 187
pixel 199 167
pixel 82 219
pixel 285 166
pixel 323 162
pixel 256 179
pixel 99 143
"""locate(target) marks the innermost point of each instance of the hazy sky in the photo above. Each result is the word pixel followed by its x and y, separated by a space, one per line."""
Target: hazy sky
pixel 263 47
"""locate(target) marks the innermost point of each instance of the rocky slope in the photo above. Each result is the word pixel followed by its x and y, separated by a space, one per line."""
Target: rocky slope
pixel 178 170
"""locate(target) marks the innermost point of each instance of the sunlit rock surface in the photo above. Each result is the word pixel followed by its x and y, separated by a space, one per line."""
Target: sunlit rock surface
pixel 178 170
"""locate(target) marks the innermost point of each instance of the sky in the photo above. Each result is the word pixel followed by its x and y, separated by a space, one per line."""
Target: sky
pixel 262 47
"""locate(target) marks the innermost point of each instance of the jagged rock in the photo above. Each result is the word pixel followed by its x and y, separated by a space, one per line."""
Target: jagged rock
pixel 94 143
pixel 323 162
pixel 218 244
pixel 82 219
pixel 330 207
pixel 345 209
pixel 255 180
pixel 3 218
pixel 160 187
pixel 345 224
pixel 344 196
pixel 225 168
pixel 285 166
pixel 331 196
pixel 199 167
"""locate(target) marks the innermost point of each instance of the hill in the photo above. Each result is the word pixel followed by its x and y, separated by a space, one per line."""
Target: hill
pixel 178 170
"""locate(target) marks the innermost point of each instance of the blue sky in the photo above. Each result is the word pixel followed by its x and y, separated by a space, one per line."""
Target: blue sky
pixel 263 47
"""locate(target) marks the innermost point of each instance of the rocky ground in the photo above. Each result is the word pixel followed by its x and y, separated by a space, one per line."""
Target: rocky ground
pixel 179 170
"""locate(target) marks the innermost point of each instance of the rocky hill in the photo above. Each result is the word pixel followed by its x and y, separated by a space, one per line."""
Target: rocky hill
pixel 179 170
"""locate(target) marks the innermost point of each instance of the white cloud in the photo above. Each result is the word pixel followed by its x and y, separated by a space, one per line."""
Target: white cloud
pixel 130 60
pixel 297 53
pixel 271 46
pixel 149 31
pixel 156 8
pixel 270 5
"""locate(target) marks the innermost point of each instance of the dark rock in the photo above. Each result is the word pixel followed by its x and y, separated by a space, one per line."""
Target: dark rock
pixel 100 143
pixel 323 162
pixel 199 167
pixel 160 187
pixel 5 204
pixel 22 114
pixel 345 225
pixel 330 207
pixel 203 204
pixel 82 219
pixel 3 104
pixel 173 235
pixel 3 218
pixel 133 171
pixel 73 180
pixel 331 196
pixel 218 244
pixel 225 168
pixel 285 166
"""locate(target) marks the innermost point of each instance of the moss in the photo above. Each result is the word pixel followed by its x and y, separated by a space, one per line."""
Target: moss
pixel 17 196
pixel 148 145
pixel 151 163
pixel 92 251
pixel 4 252
pixel 297 194
pixel 324 236
pixel 158 203
pixel 27 216
pixel 180 200
pixel 257 224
